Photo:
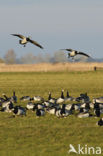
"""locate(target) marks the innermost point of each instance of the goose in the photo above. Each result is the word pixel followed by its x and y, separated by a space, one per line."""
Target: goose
pixel 48 104
pixel 77 107
pixel 19 111
pixel 38 106
pixel 6 98
pixel 84 115
pixel 8 107
pixel 69 107
pixel 73 53
pixel 38 99
pixel 65 112
pixel 30 106
pixel 25 98
pixel 14 97
pixel 100 122
pixel 83 97
pixel 52 110
pixel 96 109
pixel 40 112
pixel 98 100
pixel 25 40
pixel 50 99
pixel 61 99
pixel 68 97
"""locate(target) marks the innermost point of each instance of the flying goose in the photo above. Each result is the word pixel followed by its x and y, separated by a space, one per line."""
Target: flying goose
pixel 73 53
pixel 25 40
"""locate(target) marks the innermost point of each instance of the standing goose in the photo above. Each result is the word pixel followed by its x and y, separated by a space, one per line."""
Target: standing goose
pixel 73 53
pixel 25 40
pixel 50 99
pixel 14 97
pixel 68 98
pixel 61 99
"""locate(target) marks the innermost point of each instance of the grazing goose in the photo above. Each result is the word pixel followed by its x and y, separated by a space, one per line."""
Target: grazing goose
pixel 100 122
pixel 98 100
pixel 30 106
pixel 40 112
pixel 61 99
pixel 64 111
pixel 6 98
pixel 84 113
pixel 38 99
pixel 52 110
pixel 7 107
pixel 25 98
pixel 19 111
pixel 73 53
pixel 38 106
pixel 25 40
pixel 48 104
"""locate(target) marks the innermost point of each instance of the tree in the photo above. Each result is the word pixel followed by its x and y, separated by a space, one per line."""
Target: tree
pixel 28 58
pixel 10 57
pixel 60 56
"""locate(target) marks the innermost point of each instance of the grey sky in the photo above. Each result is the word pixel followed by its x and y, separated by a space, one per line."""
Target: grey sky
pixel 55 24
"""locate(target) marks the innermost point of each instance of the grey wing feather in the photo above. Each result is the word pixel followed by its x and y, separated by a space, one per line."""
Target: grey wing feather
pixel 18 35
pixel 34 42
pixel 81 53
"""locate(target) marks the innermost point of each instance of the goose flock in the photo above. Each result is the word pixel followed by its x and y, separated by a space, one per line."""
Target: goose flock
pixel 80 106
pixel 71 53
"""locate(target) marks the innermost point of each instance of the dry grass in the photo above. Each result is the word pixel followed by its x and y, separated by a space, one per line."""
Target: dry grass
pixel 45 67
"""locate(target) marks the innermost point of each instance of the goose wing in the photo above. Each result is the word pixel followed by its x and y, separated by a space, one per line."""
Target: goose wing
pixel 68 50
pixel 18 35
pixel 81 53
pixel 35 43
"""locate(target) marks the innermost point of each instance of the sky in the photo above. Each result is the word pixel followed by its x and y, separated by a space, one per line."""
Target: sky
pixel 55 24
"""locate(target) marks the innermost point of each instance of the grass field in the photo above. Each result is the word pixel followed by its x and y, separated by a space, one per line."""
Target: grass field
pixel 48 135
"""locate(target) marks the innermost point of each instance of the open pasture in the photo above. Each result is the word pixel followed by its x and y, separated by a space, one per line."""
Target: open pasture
pixel 48 135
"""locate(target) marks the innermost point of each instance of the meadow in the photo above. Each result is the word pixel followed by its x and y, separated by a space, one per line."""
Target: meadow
pixel 48 135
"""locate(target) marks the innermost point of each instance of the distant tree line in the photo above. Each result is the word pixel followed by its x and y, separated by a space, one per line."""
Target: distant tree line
pixel 29 58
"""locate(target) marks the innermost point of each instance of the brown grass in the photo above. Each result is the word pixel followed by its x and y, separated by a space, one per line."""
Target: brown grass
pixel 45 67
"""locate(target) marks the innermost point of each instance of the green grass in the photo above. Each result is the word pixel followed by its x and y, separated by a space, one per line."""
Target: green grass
pixel 48 135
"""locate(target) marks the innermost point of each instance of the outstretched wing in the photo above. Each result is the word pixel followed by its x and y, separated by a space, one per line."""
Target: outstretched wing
pixel 18 35
pixel 34 42
pixel 81 53
pixel 68 50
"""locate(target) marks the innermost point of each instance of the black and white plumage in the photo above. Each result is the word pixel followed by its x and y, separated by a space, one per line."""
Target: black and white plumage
pixel 25 98
pixel 25 40
pixel 14 98
pixel 73 53
pixel 19 111
pixel 60 99
pixel 40 112
pixel 100 122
